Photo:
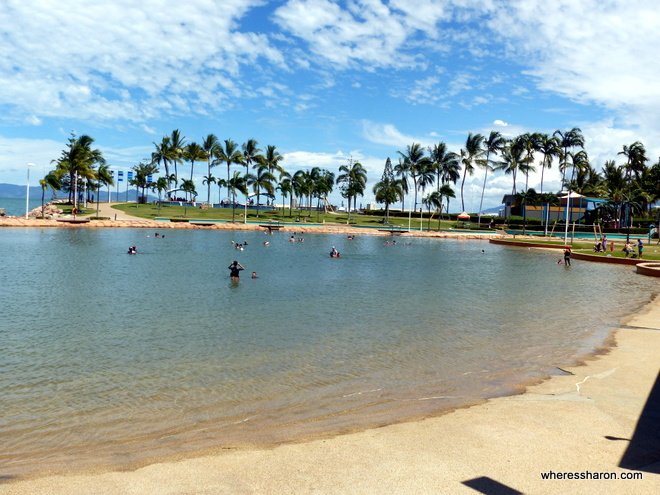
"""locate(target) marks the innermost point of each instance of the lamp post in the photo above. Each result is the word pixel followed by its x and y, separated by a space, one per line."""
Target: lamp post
pixel 27 190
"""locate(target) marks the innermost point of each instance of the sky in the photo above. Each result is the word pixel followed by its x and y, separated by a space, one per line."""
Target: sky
pixel 325 81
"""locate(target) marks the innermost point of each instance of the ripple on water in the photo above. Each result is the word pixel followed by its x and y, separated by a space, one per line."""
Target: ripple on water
pixel 116 359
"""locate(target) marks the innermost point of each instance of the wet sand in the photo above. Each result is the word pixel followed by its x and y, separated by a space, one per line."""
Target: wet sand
pixel 583 422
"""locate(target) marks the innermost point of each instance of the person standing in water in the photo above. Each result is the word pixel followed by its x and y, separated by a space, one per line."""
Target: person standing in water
pixel 236 269
pixel 567 256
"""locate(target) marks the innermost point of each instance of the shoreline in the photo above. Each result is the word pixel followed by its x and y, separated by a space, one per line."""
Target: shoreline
pixel 20 222
pixel 576 422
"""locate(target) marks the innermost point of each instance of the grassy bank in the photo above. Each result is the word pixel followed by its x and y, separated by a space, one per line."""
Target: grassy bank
pixel 151 211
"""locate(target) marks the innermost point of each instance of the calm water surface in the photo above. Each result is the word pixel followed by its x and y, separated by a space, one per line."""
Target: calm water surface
pixel 118 360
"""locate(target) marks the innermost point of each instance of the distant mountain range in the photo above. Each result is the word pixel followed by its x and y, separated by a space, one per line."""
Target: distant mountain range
pixel 16 192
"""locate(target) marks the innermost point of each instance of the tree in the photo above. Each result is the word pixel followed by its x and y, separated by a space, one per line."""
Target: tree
pixel 433 200
pixel 512 159
pixel 388 190
pixel 272 159
pixel 141 177
pixel 262 180
pixel 188 186
pixel 161 185
pixel 236 183
pixel 548 146
pixel 193 153
pixel 302 186
pixel 323 182
pixel 77 162
pixel 251 153
pixel 402 170
pixel 211 147
pixel 353 180
pixel 446 192
pixel 176 148
pixel 231 155
pixel 492 145
pixel 417 165
pixel 528 197
pixel 530 144
pixel 104 178
pixel 470 156
pixel 52 180
pixel 162 155
pixel 566 141
pixel 207 181
pixel 285 186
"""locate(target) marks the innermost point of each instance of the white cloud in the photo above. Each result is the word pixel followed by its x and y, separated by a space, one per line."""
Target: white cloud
pixel 111 60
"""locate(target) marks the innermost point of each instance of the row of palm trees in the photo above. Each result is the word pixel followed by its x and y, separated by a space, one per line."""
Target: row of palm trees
pixel 431 170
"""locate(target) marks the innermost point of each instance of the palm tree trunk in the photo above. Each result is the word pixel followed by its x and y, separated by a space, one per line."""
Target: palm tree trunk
pixel 481 203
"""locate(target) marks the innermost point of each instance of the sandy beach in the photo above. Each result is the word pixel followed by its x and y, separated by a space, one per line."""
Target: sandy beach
pixel 595 418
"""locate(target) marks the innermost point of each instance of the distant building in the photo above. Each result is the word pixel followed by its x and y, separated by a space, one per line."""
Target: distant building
pixel 580 206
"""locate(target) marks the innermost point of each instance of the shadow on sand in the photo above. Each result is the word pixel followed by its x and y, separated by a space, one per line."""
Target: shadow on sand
pixel 643 453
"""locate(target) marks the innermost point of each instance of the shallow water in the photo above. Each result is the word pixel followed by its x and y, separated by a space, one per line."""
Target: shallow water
pixel 118 360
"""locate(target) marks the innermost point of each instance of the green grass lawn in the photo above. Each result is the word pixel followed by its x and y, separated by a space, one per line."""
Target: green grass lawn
pixel 651 251
pixel 151 211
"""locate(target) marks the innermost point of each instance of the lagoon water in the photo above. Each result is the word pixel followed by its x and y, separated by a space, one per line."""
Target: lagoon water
pixel 115 360
pixel 15 207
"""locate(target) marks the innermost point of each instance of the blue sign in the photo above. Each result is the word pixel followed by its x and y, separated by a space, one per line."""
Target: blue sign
pixel 121 176
pixel 150 179
pixel 130 175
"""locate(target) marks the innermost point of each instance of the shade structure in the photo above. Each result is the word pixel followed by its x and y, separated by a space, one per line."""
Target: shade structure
pixel 463 216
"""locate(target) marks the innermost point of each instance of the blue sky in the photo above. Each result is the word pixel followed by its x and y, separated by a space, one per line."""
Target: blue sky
pixel 325 81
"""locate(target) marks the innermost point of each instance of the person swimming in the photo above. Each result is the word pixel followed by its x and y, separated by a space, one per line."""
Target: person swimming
pixel 236 269
pixel 132 250
pixel 334 253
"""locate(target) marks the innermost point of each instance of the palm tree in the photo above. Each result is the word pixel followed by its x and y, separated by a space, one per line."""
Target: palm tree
pixel 236 183
pixel 207 181
pixel 162 155
pixel 512 160
pixel 77 161
pixel 470 156
pixel 528 197
pixel 417 164
pixel 251 154
pixel 302 186
pixel 272 158
pixel 323 182
pixel 548 146
pixel 52 180
pixel 104 178
pixel 161 185
pixel 353 180
pixel 402 170
pixel 141 177
pixel 211 147
pixel 262 180
pixel 188 186
pixel 285 186
pixel 433 200
pixel 194 153
pixel 231 155
pixel 567 140
pixel 447 192
pixel 493 144
pixel 175 152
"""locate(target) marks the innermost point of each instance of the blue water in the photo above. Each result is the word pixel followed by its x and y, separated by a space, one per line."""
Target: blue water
pixel 118 360
pixel 16 206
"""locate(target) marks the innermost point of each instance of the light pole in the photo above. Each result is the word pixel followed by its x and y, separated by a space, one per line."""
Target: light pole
pixel 27 191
